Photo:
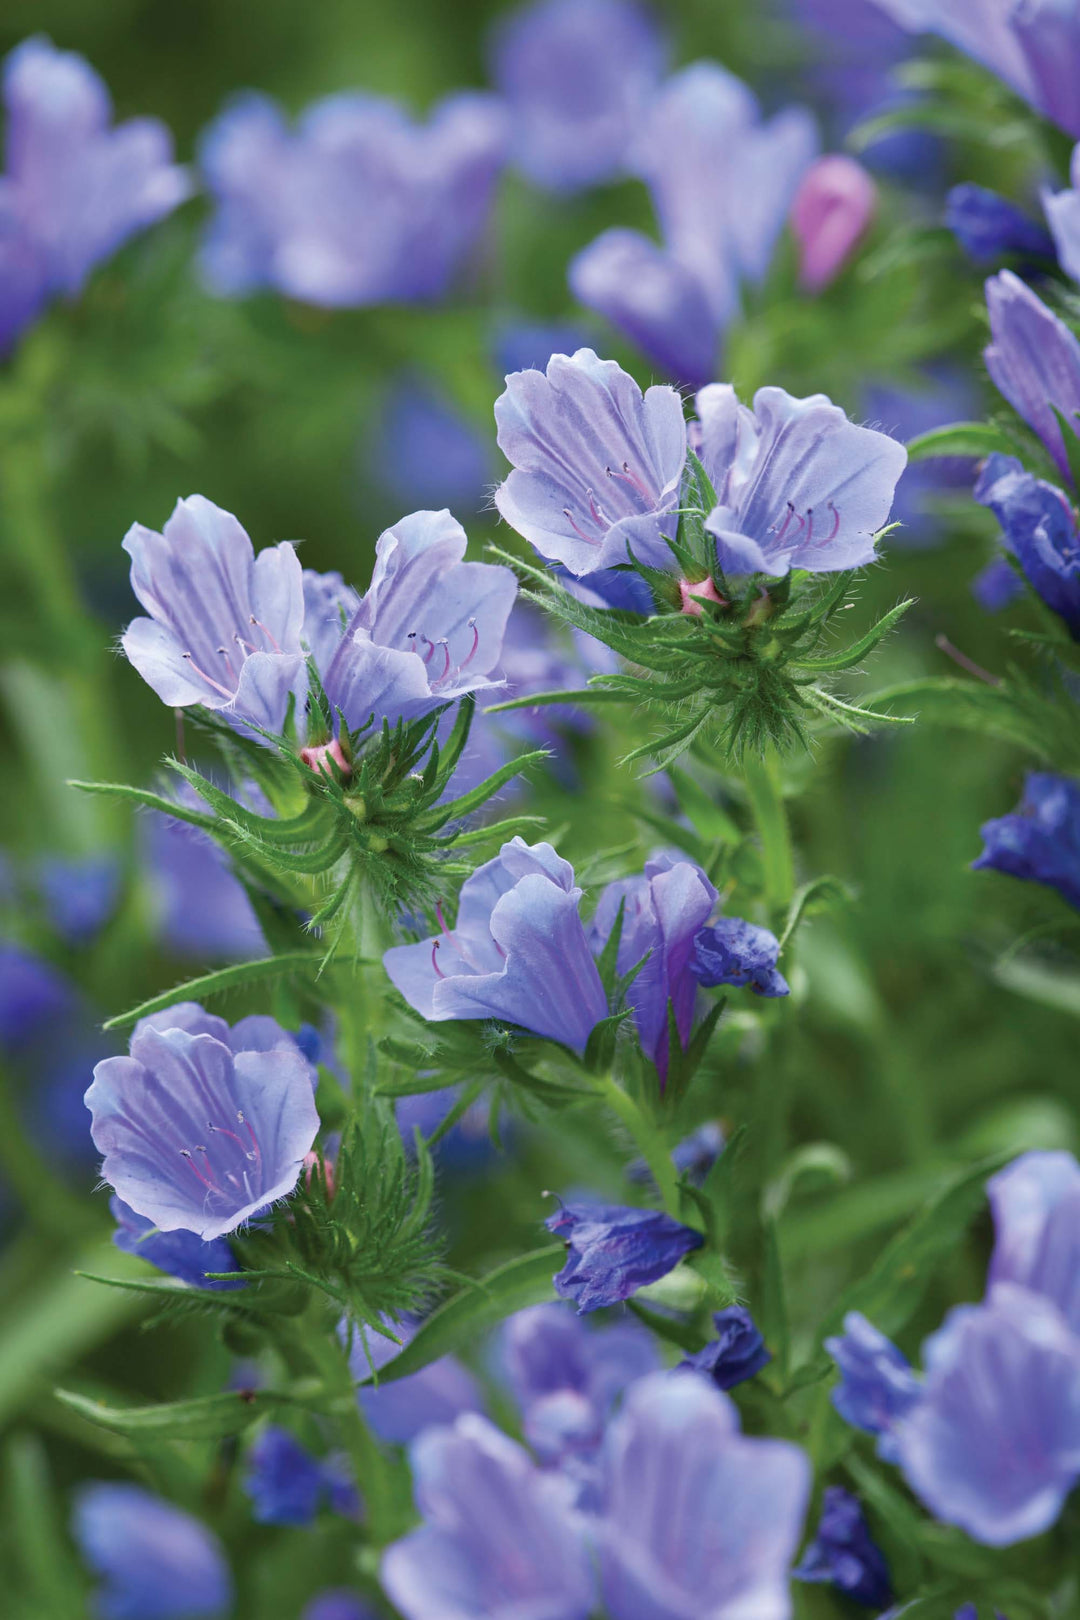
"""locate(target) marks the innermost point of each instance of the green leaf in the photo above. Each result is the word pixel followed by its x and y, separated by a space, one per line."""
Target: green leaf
pixel 208 1417
pixel 990 711
pixel 976 439
pixel 709 819
pixel 509 1288
pixel 48 1569
pixel 222 981
pixel 1072 445
pixel 151 801
pixel 586 694
pixel 848 657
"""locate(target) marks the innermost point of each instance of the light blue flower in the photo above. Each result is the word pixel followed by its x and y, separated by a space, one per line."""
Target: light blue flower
pixel 155 1562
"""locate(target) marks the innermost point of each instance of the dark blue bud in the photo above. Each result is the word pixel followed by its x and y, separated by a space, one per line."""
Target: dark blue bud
pixel 737 1353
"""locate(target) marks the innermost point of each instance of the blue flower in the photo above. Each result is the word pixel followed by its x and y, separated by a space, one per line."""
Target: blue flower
pixel 944 394
pixel 224 625
pixel 577 76
pixel 663 911
pixel 357 206
pixel 738 1352
pixel 1039 528
pixel 693 1157
pixel 426 452
pixel 400 1410
pixel 613 1250
pixel 499 1538
pixel 843 1554
pixel 203 1126
pixel 200 908
pixel 1034 47
pixel 517 951
pixel 1036 1206
pixel 287 1485
pixel 80 894
pixel 75 188
pixel 722 184
pixel 993 1445
pixel 181 1254
pixel 597 465
pixel 990 228
pixel 337 1603
pixel 34 996
pixel 877 1385
pixel 698 1519
pixel 734 951
pixel 566 1377
pixel 652 298
pixel 797 484
pixel 428 629
pixel 155 1561
pixel 1034 360
pixel 1040 840
pixel 1063 216
pixel 997 586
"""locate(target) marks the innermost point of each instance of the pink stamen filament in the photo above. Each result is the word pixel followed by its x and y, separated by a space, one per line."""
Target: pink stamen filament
pixel 631 478
pixel 209 679
pixel 224 651
pixel 439 974
pixel 473 649
pixel 445 645
pixel 254 1143
pixel 600 517
pixel 578 530
pixel 836 522
pixel 267 633
pixel 185 1153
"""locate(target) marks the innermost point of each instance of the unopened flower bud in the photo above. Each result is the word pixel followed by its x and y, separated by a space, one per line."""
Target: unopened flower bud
pixel 833 207
pixel 318 758
pixel 704 588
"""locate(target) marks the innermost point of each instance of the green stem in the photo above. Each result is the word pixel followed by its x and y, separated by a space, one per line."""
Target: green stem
pixel 370 1465
pixel 762 778
pixel 647 1140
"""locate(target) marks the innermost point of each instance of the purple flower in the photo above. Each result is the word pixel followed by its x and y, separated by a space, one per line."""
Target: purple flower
pixel 337 1603
pixel 1040 840
pixel 577 76
pixel 428 629
pixel 34 996
pixel 722 182
pixel 425 452
pixel 663 911
pixel 75 189
pixel 1062 211
pixel 1039 528
pixel 990 228
pixel 699 1520
pixel 80 894
pixel 181 1254
pixel 737 1353
pixel 994 1444
pixel 832 209
pixel 499 1539
pixel 517 951
pixel 997 586
pixel 1034 360
pixel 400 1410
pixel 693 1157
pixel 798 485
pixel 877 1385
pixel 613 1250
pixel 203 1126
pixel 567 1377
pixel 945 395
pixel 843 1554
pixel 597 465
pixel 155 1562
pixel 1034 45
pixel 734 951
pixel 658 302
pixel 287 1485
pixel 200 907
pixel 224 626
pixel 358 206
pixel 1036 1205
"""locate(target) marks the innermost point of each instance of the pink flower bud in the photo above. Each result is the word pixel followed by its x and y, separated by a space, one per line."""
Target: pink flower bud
pixel 317 1168
pixel 319 757
pixel 705 588
pixel 833 207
